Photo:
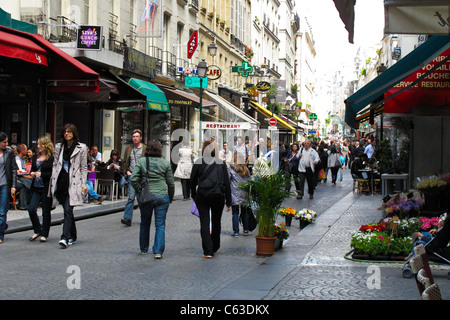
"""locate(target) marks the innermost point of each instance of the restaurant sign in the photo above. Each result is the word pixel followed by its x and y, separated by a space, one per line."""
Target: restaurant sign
pixel 431 91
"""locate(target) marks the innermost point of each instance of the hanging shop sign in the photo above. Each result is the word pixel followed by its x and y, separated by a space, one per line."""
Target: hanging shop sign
pixel 263 86
pixel 192 44
pixel 214 72
pixel 89 37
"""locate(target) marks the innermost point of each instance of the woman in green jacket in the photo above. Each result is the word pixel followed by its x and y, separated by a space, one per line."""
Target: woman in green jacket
pixel 162 189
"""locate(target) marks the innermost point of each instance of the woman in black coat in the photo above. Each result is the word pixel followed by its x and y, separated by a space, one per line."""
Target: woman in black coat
pixel 210 175
pixel 41 171
pixel 8 171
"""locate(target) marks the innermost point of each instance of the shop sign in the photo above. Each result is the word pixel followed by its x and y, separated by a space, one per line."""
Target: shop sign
pixel 263 86
pixel 89 37
pixel 194 82
pixel 139 63
pixel 214 72
pixel 416 17
pixel 432 91
pixel 226 125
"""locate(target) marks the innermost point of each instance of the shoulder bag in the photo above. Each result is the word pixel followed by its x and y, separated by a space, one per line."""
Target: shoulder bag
pixel 143 194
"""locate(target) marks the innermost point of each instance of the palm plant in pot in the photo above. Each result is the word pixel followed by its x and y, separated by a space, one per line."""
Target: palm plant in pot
pixel 266 192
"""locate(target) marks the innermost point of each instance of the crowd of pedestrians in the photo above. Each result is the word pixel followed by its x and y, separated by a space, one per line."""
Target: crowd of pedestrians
pixel 59 175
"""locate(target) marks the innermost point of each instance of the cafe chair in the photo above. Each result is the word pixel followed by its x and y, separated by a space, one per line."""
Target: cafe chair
pixel 361 185
pixel 105 181
pixel 377 185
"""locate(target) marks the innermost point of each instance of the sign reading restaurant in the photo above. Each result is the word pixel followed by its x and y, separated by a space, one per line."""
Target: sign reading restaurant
pixel 89 37
pixel 226 125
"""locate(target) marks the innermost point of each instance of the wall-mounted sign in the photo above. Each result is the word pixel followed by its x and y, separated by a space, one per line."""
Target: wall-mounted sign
pixel 89 38
pixel 263 86
pixel 245 69
pixel 213 73
pixel 192 44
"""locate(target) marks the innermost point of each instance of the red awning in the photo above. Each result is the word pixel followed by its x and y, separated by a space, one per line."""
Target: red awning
pixel 16 47
pixel 64 73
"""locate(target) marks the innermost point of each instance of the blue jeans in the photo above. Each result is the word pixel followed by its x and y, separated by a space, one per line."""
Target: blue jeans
pixel 160 204
pixel 235 220
pixel 91 191
pixel 128 211
pixel 40 195
pixel 4 207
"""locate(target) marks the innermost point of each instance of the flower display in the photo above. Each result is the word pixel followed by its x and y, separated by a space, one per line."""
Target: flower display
pixel 287 212
pixel 430 184
pixel 429 223
pixel 249 52
pixel 306 215
pixel 403 205
pixel 379 243
pixel 372 227
pixel 281 232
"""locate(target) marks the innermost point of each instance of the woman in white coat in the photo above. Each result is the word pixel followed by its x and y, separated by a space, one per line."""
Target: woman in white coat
pixel 184 168
pixel 68 182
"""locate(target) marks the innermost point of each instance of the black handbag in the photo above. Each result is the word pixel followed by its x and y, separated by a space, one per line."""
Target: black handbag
pixel 143 195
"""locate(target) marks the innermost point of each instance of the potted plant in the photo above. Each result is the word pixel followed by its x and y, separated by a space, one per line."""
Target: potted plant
pixel 306 216
pixel 288 213
pixel 265 192
pixel 222 23
pixel 281 234
pixel 432 189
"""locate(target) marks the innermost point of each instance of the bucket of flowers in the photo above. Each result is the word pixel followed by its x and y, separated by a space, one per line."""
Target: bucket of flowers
pixel 281 234
pixel 288 213
pixel 306 216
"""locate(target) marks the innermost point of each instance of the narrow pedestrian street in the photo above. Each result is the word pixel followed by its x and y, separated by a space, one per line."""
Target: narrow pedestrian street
pixel 311 264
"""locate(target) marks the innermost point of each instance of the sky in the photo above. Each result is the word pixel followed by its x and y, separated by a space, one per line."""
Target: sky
pixel 330 35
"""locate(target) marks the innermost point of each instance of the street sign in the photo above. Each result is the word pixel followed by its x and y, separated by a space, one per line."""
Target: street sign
pixel 273 122
pixel 192 44
pixel 194 82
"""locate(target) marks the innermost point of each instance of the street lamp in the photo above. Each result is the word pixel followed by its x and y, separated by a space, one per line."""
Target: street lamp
pixel 212 49
pixel 202 68
pixel 272 99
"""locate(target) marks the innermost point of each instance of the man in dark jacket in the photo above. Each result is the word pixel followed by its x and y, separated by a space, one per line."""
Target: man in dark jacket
pixel 8 175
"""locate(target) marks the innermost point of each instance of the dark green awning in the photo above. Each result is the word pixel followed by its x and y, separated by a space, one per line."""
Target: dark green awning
pixel 418 58
pixel 156 99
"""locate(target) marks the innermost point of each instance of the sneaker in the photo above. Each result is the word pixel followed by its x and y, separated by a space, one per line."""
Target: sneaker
pixel 63 243
pixel 311 196
pixel 143 253
pixel 207 256
pixel 235 235
pixel 158 256
pixel 245 232
pixel 71 242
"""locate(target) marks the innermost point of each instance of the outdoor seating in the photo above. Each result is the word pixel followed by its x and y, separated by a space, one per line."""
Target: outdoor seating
pixel 105 181
pixel 361 185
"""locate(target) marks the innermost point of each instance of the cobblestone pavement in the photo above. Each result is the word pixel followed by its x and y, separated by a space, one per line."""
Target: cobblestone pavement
pixel 311 265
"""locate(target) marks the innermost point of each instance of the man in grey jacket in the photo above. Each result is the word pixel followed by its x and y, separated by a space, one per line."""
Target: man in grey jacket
pixel 308 159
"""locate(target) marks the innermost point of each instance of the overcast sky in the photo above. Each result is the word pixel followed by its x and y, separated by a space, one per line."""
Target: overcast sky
pixel 330 36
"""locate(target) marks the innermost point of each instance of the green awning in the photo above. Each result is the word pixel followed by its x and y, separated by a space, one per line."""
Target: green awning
pixel 416 59
pixel 6 21
pixel 156 99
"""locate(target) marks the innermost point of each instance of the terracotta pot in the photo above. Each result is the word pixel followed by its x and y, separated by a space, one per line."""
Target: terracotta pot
pixel 265 246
